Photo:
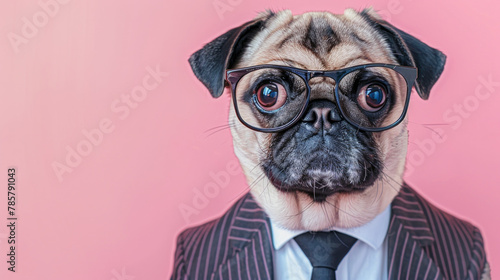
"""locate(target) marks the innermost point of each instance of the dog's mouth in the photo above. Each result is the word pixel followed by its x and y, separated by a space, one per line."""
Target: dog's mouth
pixel 317 183
pixel 342 160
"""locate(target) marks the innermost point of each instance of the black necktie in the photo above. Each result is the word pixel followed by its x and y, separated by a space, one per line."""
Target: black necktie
pixel 325 250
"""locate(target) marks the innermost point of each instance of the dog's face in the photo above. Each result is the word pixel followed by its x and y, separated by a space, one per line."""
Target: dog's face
pixel 320 171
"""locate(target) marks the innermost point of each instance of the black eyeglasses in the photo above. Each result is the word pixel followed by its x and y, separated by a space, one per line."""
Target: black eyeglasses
pixel 271 98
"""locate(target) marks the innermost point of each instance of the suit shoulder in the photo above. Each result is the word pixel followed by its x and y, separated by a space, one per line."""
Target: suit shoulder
pixel 440 219
pixel 458 243
pixel 195 242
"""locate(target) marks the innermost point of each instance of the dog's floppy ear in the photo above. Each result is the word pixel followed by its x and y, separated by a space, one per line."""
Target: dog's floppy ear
pixel 410 51
pixel 209 64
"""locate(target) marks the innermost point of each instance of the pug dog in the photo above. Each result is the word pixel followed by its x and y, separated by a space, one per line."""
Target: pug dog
pixel 319 125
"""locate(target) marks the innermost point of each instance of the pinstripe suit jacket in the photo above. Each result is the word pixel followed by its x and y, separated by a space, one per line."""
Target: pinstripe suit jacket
pixel 423 243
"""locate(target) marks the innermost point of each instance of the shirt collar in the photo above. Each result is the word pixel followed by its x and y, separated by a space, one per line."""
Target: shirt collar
pixel 372 233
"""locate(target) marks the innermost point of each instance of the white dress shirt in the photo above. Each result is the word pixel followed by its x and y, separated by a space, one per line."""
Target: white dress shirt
pixel 366 260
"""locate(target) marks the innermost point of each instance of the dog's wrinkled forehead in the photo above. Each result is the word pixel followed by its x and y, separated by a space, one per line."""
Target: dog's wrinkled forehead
pixel 316 41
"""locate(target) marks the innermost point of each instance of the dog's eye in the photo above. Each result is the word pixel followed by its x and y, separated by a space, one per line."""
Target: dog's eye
pixel 372 97
pixel 271 96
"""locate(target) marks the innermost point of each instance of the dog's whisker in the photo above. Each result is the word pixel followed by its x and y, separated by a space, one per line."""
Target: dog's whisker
pixel 218 130
pixel 385 178
pixel 428 126
pixel 384 174
pixel 219 126
pixel 301 212
pixel 253 168
pixel 375 198
pixel 257 180
pixel 381 189
pixel 260 177
pixel 314 188
pixel 364 163
pixel 330 220
pixel 267 190
pixel 339 209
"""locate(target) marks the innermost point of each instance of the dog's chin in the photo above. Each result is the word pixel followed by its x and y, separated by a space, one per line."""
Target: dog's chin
pixel 292 202
pixel 326 194
pixel 318 184
pixel 319 177
pixel 304 210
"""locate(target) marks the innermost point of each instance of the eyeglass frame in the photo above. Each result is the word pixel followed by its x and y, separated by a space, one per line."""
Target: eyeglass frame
pixel 233 76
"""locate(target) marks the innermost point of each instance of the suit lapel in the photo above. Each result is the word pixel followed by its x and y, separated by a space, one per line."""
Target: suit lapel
pixel 408 234
pixel 249 245
pixel 251 253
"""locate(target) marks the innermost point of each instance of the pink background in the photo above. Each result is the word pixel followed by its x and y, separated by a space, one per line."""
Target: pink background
pixel 117 214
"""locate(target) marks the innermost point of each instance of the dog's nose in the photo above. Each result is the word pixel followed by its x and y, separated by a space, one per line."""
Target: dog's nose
pixel 321 115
